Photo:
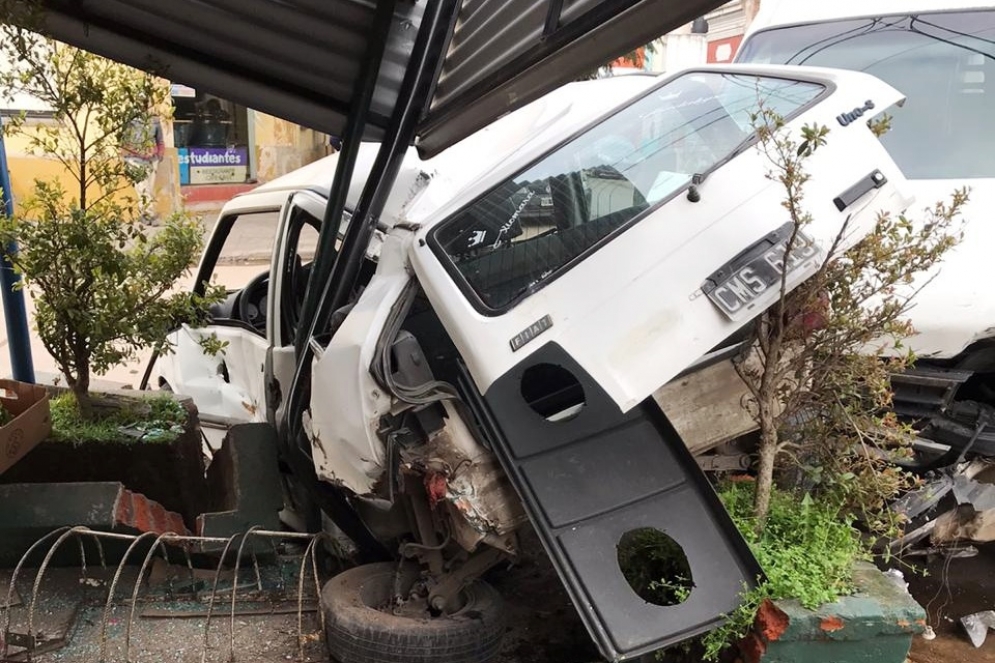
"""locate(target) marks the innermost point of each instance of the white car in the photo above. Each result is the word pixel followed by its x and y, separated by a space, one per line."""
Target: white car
pixel 940 53
pixel 528 291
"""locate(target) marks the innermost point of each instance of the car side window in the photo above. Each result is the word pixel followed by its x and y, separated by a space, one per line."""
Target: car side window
pixel 302 241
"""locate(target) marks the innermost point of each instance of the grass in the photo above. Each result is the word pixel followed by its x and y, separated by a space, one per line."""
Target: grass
pixel 154 419
pixel 807 551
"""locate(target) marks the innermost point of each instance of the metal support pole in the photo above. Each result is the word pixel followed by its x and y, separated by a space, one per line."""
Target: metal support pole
pixel 14 311
pixel 420 77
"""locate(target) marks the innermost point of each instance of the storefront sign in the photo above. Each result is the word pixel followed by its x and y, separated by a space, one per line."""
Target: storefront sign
pixel 213 165
pixel 723 50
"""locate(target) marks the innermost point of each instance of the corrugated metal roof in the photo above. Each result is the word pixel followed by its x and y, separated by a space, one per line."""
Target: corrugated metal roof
pixel 299 59
pixel 505 53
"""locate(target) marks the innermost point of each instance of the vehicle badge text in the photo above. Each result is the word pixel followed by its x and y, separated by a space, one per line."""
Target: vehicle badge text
pixel 529 333
pixel 854 115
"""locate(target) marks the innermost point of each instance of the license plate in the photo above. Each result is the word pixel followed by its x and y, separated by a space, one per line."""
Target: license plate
pixel 737 290
pixel 545 201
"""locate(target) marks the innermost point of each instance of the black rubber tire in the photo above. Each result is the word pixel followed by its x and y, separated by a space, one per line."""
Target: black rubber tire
pixel 357 632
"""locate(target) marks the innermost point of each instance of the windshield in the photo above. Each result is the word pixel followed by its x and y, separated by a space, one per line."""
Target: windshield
pixel 943 62
pixel 534 224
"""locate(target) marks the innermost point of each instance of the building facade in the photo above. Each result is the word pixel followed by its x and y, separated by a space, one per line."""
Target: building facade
pixel 214 149
pixel 714 37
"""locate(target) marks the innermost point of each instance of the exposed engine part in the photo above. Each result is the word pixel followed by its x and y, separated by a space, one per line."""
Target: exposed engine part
pixel 398 358
pixel 465 483
pixel 925 391
pixel 426 435
pixel 445 594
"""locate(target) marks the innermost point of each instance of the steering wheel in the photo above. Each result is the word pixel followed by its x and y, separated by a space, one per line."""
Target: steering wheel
pixel 252 302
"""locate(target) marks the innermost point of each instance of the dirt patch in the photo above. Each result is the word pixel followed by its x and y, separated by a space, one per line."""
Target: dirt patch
pixel 543 625
pixel 951 589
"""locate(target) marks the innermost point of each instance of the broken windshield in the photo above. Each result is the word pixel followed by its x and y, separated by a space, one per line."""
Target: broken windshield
pixel 533 225
pixel 943 62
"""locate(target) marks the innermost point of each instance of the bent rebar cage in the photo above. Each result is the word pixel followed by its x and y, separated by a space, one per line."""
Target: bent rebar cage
pixel 159 542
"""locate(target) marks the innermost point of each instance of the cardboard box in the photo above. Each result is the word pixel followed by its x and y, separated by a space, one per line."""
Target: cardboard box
pixel 31 423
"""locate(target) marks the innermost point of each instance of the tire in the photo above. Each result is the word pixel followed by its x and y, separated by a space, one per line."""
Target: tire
pixel 357 632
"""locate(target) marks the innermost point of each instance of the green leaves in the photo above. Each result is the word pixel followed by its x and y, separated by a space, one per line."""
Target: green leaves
pixel 819 364
pixel 104 286
pixel 806 553
pixel 92 102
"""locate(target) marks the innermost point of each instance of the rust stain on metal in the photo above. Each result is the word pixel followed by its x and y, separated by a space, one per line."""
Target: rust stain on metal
pixel 436 485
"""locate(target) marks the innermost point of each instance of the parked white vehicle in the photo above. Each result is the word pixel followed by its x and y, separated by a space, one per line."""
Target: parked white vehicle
pixel 941 54
pixel 530 289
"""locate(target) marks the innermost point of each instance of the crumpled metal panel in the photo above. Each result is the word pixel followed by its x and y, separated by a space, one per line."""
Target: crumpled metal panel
pixel 296 59
pixel 299 59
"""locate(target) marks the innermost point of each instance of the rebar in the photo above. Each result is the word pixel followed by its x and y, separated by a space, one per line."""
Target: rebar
pixel 13 584
pixel 234 592
pixel 134 592
pixel 41 573
pixel 160 541
pixel 214 593
pixel 110 592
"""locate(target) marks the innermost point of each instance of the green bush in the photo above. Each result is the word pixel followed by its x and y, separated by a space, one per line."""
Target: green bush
pixel 807 550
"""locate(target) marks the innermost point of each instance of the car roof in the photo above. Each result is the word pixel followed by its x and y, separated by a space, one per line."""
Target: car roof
pixel 775 13
pixel 562 111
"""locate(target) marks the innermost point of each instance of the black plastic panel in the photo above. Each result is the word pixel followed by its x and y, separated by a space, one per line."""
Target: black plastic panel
pixel 588 480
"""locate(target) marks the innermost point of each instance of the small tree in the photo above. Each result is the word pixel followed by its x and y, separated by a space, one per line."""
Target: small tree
pixel 819 361
pixel 101 282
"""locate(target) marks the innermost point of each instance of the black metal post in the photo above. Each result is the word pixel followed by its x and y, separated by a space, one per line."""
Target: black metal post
pixel 412 98
pixel 14 310
pixel 294 449
pixel 325 255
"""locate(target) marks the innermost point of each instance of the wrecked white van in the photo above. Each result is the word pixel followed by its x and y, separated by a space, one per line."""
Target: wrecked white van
pixel 527 293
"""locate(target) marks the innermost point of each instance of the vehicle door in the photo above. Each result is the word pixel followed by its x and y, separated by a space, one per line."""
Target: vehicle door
pixel 222 366
pixel 623 244
pixel 293 257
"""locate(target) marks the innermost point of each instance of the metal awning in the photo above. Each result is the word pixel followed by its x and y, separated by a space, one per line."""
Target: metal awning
pixel 300 59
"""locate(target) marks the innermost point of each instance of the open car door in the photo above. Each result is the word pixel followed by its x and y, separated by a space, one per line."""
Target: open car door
pixel 221 364
pixel 581 283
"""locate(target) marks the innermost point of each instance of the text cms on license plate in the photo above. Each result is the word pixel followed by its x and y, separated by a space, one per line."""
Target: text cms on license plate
pixel 738 294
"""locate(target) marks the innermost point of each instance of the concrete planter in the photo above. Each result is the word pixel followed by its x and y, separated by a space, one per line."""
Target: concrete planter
pixel 170 473
pixel 875 625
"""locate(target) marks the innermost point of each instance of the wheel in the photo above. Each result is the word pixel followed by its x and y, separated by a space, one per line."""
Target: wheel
pixel 359 631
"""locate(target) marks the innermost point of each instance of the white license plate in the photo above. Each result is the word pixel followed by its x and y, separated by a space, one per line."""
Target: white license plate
pixel 738 295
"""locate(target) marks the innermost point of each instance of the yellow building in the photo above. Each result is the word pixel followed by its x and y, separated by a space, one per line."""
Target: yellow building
pixel 214 149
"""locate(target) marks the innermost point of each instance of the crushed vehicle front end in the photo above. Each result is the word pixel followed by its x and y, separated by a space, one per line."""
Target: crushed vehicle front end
pixel 500 363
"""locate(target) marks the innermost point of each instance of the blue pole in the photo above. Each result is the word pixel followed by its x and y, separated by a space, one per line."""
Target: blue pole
pixel 14 311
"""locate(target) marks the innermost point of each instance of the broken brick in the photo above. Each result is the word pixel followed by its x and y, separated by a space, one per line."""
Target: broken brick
pixel 771 622
pixel 831 624
pixel 138 512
